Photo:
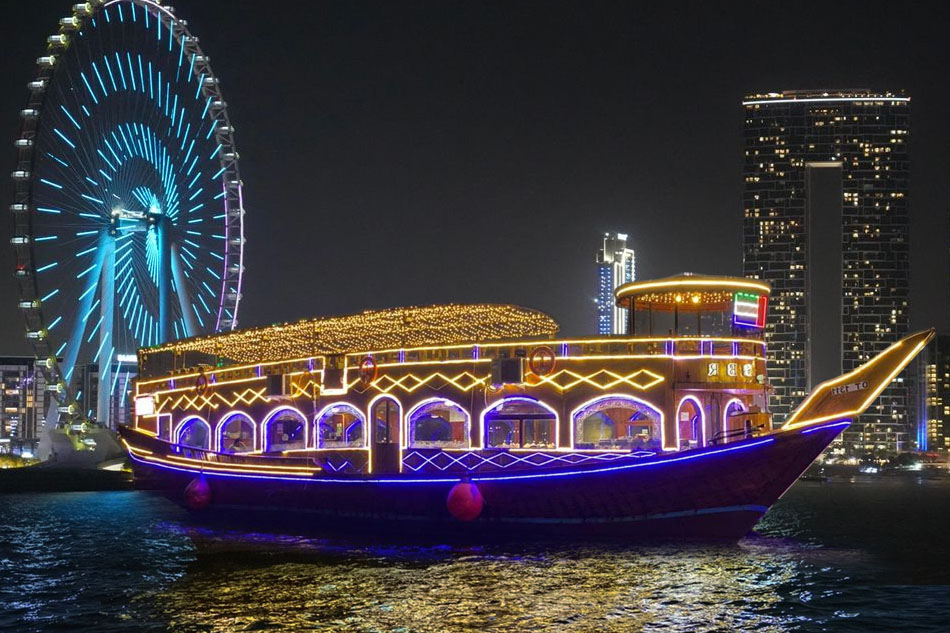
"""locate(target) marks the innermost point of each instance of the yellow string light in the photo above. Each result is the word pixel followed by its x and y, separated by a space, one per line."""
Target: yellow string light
pixel 380 329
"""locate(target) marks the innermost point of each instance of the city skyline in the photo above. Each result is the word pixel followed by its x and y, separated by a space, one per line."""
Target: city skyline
pixel 589 162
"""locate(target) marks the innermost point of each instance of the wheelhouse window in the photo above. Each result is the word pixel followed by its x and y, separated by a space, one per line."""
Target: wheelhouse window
pixel 617 422
pixel 237 434
pixel 385 416
pixel 340 426
pixel 194 433
pixel 285 430
pixel 438 424
pixel 520 423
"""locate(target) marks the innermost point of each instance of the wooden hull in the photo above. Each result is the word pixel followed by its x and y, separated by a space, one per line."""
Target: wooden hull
pixel 718 492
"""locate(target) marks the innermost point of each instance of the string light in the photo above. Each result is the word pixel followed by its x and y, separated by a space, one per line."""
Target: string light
pixel 397 328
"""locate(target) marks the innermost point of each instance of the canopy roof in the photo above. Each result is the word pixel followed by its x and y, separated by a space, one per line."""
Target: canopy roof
pixel 688 291
pixel 372 330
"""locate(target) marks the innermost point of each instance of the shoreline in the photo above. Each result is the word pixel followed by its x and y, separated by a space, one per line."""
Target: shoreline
pixel 46 479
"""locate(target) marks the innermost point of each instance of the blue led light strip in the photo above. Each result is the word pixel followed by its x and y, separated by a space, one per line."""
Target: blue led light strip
pixel 591 471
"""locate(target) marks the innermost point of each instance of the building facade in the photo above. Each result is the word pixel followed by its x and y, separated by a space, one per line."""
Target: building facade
pixel 23 403
pixel 616 265
pixel 934 381
pixel 825 221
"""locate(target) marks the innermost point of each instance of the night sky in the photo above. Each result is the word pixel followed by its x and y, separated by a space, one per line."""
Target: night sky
pixel 409 153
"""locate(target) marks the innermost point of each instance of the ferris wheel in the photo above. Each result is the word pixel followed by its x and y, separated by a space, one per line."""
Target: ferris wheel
pixel 128 200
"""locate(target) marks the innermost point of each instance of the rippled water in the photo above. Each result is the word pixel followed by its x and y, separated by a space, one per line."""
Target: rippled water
pixel 828 557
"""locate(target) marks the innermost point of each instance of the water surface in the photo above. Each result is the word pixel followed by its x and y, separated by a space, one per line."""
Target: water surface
pixel 829 557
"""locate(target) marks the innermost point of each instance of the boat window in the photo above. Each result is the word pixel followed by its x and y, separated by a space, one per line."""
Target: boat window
pixel 735 406
pixel 520 423
pixel 340 426
pixel 616 422
pixel 438 424
pixel 385 416
pixel 237 434
pixel 689 417
pixel 194 432
pixel 284 430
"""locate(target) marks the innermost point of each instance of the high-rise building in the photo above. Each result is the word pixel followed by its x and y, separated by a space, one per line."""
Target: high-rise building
pixel 23 403
pixel 825 221
pixel 616 265
pixel 934 389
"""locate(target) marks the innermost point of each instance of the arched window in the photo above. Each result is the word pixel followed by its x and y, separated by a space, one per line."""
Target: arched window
pixel 613 422
pixel 340 426
pixel 691 423
pixel 733 407
pixel 284 429
pixel 386 416
pixel 733 422
pixel 438 424
pixel 237 433
pixel 194 432
pixel 520 422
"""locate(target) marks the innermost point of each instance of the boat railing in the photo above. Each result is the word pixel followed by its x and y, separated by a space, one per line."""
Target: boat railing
pixel 190 452
pixel 723 436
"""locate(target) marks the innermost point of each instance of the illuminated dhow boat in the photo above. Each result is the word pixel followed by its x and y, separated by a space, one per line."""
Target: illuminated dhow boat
pixel 475 418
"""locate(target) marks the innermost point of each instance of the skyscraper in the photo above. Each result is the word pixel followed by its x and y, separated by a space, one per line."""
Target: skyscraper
pixel 825 204
pixel 934 389
pixel 616 265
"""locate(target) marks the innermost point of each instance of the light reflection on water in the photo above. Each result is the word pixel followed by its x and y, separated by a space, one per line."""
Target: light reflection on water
pixel 826 558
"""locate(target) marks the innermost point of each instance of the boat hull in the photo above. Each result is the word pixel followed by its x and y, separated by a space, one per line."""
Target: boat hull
pixel 712 493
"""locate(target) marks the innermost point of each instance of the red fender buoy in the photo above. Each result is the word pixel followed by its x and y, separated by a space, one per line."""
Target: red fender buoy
pixel 198 494
pixel 465 501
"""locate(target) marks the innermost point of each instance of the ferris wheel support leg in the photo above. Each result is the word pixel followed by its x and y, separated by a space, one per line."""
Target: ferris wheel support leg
pixel 106 347
pixel 191 328
pixel 72 349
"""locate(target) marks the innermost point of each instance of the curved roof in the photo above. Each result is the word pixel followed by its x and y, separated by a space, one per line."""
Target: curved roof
pixel 701 288
pixel 372 330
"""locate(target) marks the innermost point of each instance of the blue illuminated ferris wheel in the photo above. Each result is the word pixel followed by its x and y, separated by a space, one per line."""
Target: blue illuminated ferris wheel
pixel 128 205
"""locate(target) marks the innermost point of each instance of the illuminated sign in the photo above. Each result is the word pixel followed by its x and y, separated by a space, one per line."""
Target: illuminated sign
pixel 749 309
pixel 145 405
pixel 729 372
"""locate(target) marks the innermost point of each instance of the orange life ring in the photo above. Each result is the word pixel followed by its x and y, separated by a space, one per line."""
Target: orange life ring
pixel 542 361
pixel 369 370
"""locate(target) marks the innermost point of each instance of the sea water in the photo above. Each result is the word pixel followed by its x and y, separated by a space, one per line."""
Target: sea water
pixel 864 555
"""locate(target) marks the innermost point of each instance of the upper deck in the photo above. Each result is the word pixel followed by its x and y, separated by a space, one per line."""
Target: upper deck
pixel 496 379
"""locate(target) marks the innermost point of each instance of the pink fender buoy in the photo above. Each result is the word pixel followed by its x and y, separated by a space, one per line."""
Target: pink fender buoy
pixel 465 501
pixel 197 494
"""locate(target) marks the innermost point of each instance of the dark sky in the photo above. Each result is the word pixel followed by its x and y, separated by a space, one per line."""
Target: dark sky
pixel 399 153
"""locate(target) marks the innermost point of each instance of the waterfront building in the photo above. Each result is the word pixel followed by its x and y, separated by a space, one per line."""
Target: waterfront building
pixel 616 265
pixel 825 222
pixel 934 390
pixel 23 403
pixel 87 389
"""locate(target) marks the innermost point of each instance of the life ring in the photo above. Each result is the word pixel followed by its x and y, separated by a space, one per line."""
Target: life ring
pixel 369 370
pixel 542 361
pixel 201 382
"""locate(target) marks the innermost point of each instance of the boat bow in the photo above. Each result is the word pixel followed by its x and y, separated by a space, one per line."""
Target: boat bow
pixel 850 394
